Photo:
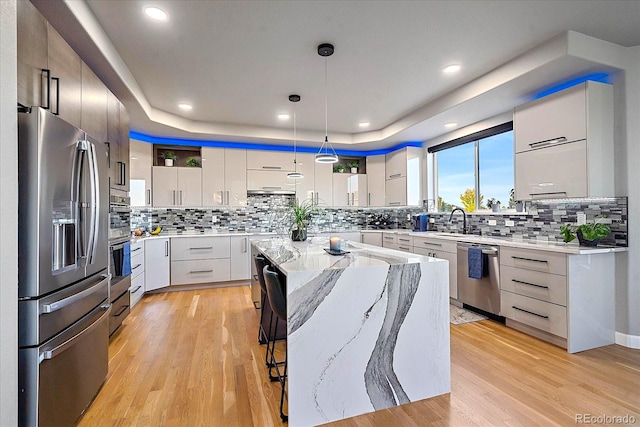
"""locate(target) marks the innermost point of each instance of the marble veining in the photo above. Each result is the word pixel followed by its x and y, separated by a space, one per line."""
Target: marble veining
pixel 308 297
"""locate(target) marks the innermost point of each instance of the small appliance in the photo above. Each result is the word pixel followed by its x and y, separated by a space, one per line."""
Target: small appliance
pixel 420 222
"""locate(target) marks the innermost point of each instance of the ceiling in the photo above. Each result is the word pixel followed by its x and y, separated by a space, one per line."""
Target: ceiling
pixel 236 62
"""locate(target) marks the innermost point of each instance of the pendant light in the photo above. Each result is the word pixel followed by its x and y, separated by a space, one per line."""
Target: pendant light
pixel 295 174
pixel 326 154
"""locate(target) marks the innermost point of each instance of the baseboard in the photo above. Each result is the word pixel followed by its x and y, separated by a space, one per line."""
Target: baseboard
pixel 625 340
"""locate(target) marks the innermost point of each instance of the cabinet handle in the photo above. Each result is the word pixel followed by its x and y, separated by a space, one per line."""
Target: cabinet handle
pixel 395 175
pixel 530 259
pixel 271 188
pixel 369 200
pixel 166 248
pixel 173 197
pixel 432 244
pixel 148 197
pixel 548 142
pixel 272 167
pixel 404 240
pixel 246 244
pixel 529 312
pixel 180 197
pixel 201 271
pixel 394 203
pixel 122 310
pixel 317 198
pixel 548 194
pixel 388 237
pixel 404 248
pixel 201 248
pixel 133 268
pixel 57 79
pixel 348 198
pixel 46 73
pixel 530 284
pixel 227 198
pixel 136 249
pixel 123 169
pixel 136 289
pixel 353 199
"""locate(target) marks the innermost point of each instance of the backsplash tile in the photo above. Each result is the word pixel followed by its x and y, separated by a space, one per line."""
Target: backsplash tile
pixel 266 213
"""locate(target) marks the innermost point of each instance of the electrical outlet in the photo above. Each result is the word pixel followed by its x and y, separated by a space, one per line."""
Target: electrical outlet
pixel 581 218
pixel 509 223
pixel 408 217
pixel 432 220
pixel 492 222
pixel 214 219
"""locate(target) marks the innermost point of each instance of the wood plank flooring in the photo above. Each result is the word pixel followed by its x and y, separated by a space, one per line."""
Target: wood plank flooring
pixel 192 359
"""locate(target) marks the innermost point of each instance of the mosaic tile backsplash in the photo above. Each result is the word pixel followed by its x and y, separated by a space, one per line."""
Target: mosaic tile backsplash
pixel 265 213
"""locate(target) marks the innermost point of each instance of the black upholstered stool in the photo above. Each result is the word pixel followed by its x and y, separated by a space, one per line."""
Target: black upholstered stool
pixel 260 262
pixel 278 302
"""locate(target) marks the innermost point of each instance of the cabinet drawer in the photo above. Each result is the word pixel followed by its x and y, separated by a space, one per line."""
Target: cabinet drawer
pixel 437 245
pixel 137 248
pixel 404 240
pixel 542 315
pixel 390 245
pixel 548 262
pixel 389 238
pixel 137 289
pixel 200 271
pixel 183 249
pixel 137 265
pixel 535 284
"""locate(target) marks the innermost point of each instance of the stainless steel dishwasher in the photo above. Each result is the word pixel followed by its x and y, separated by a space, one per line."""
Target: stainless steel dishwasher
pixel 480 293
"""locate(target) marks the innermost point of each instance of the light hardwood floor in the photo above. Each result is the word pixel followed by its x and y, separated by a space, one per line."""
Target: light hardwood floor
pixel 192 359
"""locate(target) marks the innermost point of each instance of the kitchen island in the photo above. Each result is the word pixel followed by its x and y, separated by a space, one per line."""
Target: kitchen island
pixel 366 331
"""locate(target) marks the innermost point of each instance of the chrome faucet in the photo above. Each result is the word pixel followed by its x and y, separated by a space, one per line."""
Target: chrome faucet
pixel 464 219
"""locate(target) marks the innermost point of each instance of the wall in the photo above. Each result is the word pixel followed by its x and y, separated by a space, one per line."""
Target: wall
pixel 8 217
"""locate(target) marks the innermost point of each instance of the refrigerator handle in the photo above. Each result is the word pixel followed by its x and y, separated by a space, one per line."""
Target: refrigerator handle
pixel 57 79
pixel 94 200
pixel 50 354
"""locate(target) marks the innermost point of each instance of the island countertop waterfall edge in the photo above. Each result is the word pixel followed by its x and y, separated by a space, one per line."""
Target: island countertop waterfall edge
pixel 366 331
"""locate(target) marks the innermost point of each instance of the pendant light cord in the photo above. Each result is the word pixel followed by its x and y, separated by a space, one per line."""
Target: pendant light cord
pixel 326 102
pixel 295 157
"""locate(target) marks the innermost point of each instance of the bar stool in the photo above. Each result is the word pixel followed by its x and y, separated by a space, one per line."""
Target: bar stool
pixel 260 262
pixel 278 302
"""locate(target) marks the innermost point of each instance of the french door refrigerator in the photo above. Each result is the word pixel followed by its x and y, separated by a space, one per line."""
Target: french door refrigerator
pixel 63 284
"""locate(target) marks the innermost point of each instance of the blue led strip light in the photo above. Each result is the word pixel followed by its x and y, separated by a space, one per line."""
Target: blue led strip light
pixel 595 77
pixel 252 146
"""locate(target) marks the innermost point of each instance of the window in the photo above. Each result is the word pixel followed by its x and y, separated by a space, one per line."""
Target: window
pixel 478 164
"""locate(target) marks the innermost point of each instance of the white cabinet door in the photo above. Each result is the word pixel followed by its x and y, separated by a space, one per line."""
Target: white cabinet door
pixel 157 262
pixel 376 180
pixel 396 164
pixel 396 191
pixel 269 160
pixel 555 172
pixel 141 161
pixel 235 177
pixel 165 182
pixel 341 194
pixel 372 238
pixel 561 115
pixel 240 258
pixel 305 186
pixel 189 187
pixel 358 190
pixel 213 170
pixel 269 180
pixel 323 181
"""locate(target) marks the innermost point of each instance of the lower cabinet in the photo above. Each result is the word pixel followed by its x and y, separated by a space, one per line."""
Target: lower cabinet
pixel 240 258
pixel 156 256
pixel 200 260
pixel 372 238
pixel 442 249
pixel 137 272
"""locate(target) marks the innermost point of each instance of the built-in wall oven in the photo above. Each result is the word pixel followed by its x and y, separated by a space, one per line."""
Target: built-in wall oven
pixel 119 258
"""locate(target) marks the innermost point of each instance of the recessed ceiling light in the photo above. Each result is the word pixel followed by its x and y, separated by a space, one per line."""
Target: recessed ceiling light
pixel 186 107
pixel 283 116
pixel 156 13
pixel 452 68
pixel 364 124
pixel 450 125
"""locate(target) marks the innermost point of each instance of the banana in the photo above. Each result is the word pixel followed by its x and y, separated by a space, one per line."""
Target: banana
pixel 157 230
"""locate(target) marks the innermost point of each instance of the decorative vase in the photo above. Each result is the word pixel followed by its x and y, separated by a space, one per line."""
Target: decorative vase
pixel 495 208
pixel 585 242
pixel 168 162
pixel 519 206
pixel 299 235
pixel 354 170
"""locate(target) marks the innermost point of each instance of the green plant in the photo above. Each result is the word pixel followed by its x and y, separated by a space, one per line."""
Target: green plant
pixel 169 155
pixel 193 162
pixel 339 168
pixel 301 213
pixel 491 202
pixel 353 164
pixel 593 231
pixel 567 233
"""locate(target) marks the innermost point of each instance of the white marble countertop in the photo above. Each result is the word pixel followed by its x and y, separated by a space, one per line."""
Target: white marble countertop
pixel 310 255
pixel 208 233
pixel 568 248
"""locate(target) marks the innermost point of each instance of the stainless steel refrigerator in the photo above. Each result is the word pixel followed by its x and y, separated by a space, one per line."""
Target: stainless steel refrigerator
pixel 63 258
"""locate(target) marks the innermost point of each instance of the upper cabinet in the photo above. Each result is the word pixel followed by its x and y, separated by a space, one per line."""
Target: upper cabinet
pixel 224 177
pixel 349 189
pixel 65 86
pixel 564 144
pixel 176 186
pixel 141 161
pixel 403 177
pixel 32 56
pixel 118 143
pixel 94 105
pixel 376 180
pixel 305 186
pixel 269 160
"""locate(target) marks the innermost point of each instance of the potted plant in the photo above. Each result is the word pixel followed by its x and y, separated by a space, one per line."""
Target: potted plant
pixel 353 165
pixel 300 215
pixel 493 204
pixel 518 204
pixel 339 168
pixel 169 157
pixel 567 233
pixel 588 234
pixel 193 162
